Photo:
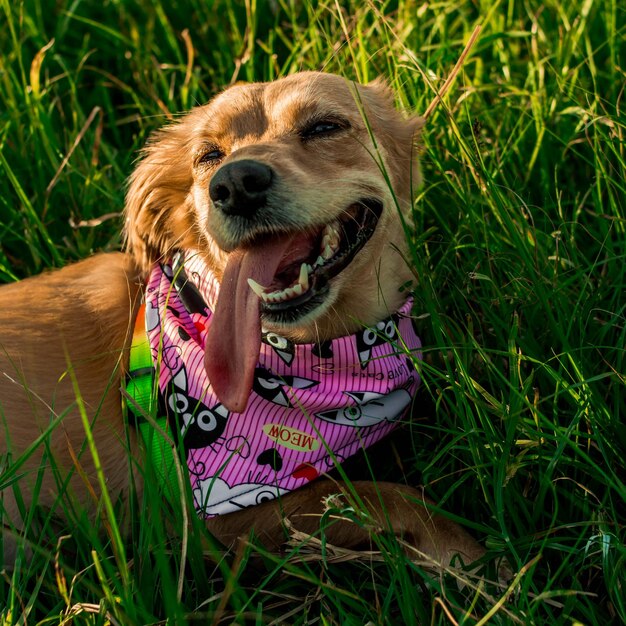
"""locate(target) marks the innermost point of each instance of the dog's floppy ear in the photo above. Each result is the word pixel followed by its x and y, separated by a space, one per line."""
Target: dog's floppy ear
pixel 157 215
pixel 399 134
pixel 380 87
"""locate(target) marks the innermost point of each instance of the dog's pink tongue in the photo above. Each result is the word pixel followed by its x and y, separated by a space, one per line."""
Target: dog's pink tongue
pixel 234 337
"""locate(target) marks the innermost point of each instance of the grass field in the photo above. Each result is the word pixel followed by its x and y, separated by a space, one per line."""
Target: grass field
pixel 520 250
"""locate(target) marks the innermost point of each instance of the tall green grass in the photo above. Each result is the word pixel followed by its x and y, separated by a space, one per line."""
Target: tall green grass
pixel 520 250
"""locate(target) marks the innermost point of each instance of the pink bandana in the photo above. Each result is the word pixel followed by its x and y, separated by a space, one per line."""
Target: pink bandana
pixel 311 407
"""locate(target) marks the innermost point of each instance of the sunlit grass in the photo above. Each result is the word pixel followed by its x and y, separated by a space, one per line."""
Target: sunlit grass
pixel 519 248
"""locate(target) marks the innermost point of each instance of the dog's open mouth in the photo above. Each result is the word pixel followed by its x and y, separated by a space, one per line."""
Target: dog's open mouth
pixel 301 281
pixel 278 280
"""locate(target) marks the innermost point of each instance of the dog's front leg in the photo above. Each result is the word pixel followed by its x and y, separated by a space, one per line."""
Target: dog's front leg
pixel 352 514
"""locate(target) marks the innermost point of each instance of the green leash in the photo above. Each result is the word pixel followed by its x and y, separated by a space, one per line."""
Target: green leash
pixel 141 408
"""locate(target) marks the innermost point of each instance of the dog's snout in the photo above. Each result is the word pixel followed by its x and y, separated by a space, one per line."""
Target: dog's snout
pixel 240 188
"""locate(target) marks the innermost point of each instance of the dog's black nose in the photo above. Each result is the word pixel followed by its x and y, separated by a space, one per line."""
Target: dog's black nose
pixel 240 188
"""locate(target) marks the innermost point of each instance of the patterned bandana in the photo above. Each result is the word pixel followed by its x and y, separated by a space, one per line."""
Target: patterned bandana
pixel 311 407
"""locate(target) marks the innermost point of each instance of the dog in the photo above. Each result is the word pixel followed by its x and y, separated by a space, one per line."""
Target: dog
pixel 295 197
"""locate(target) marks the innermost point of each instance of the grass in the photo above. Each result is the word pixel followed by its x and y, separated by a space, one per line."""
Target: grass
pixel 519 247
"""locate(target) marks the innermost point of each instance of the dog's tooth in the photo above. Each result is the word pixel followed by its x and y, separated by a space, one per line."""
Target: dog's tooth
pixel 258 289
pixel 303 279
pixel 282 295
pixel 330 239
pixel 297 289
pixel 304 272
pixel 320 261
pixel 328 252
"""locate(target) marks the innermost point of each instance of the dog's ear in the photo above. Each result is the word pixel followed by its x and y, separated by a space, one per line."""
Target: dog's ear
pixel 384 93
pixel 399 134
pixel 157 215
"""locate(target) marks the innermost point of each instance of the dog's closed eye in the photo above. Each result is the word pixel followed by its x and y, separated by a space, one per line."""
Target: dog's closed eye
pixel 322 127
pixel 210 155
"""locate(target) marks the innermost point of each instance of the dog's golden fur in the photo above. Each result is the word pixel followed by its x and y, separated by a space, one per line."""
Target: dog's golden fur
pixel 168 203
pixel 69 330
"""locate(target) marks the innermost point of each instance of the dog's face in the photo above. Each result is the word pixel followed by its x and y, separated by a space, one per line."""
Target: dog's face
pixel 272 160
pixel 293 190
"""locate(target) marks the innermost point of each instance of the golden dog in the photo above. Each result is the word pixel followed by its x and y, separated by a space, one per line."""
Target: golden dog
pixel 280 167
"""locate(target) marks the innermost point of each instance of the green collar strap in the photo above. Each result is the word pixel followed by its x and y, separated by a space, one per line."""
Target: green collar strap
pixel 142 409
